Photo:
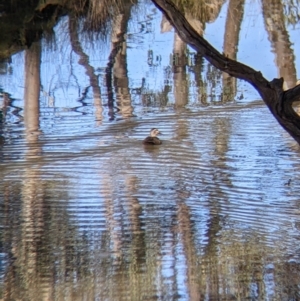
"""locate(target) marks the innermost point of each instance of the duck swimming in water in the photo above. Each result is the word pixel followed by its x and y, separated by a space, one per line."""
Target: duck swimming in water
pixel 152 139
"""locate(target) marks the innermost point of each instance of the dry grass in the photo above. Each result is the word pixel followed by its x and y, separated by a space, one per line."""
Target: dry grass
pixel 203 10
pixel 100 13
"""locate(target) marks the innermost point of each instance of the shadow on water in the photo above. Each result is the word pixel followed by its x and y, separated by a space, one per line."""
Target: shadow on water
pixel 88 212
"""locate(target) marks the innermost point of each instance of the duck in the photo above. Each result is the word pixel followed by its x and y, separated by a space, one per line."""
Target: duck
pixel 152 139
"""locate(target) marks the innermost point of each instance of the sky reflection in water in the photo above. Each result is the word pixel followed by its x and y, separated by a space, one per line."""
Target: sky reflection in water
pixel 89 213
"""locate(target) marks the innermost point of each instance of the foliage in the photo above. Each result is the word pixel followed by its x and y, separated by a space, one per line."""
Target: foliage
pixel 21 27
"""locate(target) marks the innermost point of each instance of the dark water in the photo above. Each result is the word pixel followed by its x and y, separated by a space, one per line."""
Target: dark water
pixel 89 213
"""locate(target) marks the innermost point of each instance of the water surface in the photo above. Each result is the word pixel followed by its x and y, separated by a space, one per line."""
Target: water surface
pixel 89 213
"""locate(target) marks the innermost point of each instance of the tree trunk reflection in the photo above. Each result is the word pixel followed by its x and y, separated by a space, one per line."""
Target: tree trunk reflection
pixel 234 19
pixel 84 61
pixel 273 13
pixel 116 71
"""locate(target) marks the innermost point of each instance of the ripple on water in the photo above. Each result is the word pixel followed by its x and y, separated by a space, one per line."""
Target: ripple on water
pixel 212 181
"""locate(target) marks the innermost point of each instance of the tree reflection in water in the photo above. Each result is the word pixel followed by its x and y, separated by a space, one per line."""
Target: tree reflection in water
pixel 88 213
